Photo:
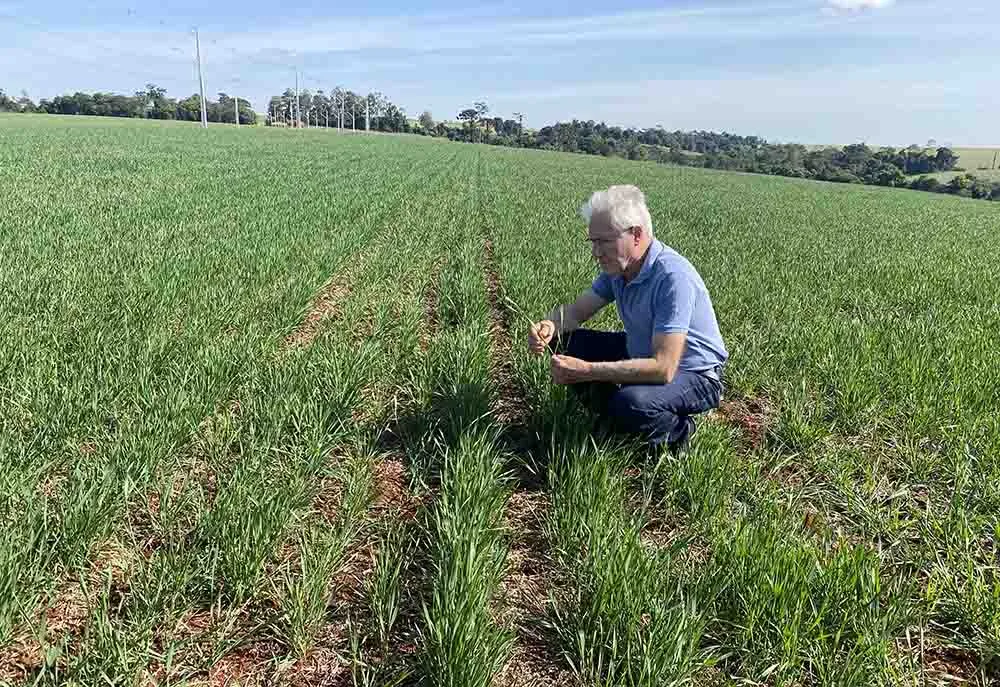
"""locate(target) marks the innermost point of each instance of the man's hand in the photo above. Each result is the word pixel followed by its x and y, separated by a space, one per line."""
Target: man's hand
pixel 568 370
pixel 540 335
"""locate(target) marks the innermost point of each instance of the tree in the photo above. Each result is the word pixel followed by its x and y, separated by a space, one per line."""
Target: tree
pixel 377 102
pixel 189 109
pixel 274 110
pixel 339 102
pixel 980 188
pixel 24 103
pixel 394 119
pixel 884 174
pixel 961 185
pixel 222 111
pixel 945 159
pixel 7 103
pixel 482 109
pixel 520 125
pixel 321 109
pixel 470 116
pixel 427 121
pixel 925 183
pixel 248 116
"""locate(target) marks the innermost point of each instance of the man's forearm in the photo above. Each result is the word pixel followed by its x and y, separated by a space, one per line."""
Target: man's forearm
pixel 632 371
pixel 564 318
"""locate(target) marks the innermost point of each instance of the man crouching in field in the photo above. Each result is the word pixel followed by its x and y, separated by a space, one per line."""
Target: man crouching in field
pixel 667 365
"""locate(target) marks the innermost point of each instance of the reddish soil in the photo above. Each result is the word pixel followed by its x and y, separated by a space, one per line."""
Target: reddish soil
pixel 945 665
pixel 322 666
pixel 325 305
pixel 328 497
pixel 525 592
pixel 754 416
pixel 392 492
pixel 510 405
pixel 65 614
pixel 432 297
pixel 251 664
pixel 530 576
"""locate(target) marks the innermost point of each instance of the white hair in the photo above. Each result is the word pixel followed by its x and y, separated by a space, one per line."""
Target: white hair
pixel 624 205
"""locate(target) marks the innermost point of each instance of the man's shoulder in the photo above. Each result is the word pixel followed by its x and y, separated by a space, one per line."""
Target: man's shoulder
pixel 670 264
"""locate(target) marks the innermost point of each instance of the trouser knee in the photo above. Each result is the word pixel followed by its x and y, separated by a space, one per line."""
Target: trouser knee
pixel 629 413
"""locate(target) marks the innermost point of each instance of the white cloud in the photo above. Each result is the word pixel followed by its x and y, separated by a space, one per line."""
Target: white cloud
pixel 547 67
pixel 401 38
pixel 883 106
pixel 858 5
pixel 291 43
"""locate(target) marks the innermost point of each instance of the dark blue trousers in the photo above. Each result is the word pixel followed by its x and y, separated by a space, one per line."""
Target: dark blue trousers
pixel 659 413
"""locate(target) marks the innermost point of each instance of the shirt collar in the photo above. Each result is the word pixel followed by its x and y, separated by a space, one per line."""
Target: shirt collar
pixel 655 248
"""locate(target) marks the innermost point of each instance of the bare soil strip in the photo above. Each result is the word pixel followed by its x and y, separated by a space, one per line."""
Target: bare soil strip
pixel 526 591
pixel 324 306
pixel 511 408
pixel 63 614
pixel 530 577
pixel 432 297
pixel 394 506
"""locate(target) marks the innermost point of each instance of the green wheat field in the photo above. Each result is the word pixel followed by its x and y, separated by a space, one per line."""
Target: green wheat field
pixel 267 417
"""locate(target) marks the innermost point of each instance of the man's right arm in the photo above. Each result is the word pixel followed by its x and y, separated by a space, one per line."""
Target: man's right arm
pixel 564 318
pixel 569 317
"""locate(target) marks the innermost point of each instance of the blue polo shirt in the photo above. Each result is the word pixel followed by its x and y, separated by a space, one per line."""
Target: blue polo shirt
pixel 668 295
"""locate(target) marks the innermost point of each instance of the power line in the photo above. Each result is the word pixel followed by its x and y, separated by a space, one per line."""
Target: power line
pixel 104 52
pixel 77 39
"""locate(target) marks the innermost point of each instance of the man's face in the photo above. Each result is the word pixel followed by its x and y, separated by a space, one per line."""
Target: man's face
pixel 612 249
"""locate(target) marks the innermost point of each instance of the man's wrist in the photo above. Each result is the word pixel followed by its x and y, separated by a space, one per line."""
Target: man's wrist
pixel 594 371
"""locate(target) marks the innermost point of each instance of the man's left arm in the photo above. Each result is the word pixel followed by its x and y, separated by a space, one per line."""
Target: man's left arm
pixel 660 369
pixel 672 309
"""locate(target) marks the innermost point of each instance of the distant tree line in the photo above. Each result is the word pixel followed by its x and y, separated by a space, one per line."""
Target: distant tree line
pixel 340 108
pixel 150 103
pixel 855 164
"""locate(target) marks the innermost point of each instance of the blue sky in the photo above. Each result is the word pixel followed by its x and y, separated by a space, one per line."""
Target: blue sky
pixel 888 72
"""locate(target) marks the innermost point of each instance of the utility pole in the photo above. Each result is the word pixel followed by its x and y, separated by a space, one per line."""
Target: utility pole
pixel 368 102
pixel 340 115
pixel 201 81
pixel 298 108
pixel 236 108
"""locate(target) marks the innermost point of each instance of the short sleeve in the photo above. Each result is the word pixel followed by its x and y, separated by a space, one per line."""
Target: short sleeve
pixel 602 287
pixel 673 304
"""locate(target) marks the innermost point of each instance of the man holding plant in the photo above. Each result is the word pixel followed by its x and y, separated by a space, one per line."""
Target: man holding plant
pixel 667 365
